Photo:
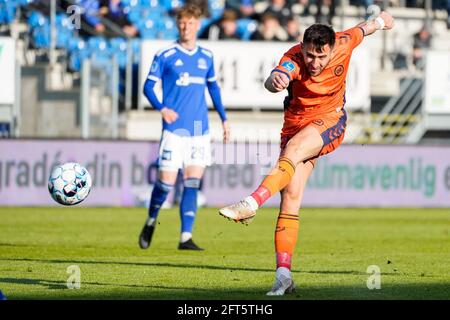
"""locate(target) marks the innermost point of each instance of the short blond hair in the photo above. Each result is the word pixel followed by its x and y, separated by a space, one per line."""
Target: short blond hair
pixel 189 11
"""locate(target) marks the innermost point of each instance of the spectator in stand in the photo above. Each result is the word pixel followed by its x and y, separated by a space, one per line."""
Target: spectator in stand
pixel 269 29
pixel 438 5
pixel 366 4
pixel 244 8
pixel 448 14
pixel 91 15
pixel 280 9
pixel 293 30
pixel 300 7
pixel 114 12
pixel 321 17
pixel 421 43
pixel 224 29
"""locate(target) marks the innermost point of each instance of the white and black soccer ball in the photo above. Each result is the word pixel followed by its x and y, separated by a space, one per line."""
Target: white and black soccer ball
pixel 69 183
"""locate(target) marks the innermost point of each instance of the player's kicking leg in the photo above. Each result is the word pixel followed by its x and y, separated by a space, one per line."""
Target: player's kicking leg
pixel 306 144
pixel 286 232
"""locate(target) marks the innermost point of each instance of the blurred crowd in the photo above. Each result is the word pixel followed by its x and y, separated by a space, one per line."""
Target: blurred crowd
pixel 106 24
pixel 274 20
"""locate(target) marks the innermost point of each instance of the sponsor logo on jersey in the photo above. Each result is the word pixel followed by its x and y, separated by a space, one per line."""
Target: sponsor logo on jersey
pixel 183 80
pixel 201 64
pixel 289 66
pixel 178 63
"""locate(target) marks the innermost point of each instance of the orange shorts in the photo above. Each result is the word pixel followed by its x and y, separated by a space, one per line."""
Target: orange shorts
pixel 331 127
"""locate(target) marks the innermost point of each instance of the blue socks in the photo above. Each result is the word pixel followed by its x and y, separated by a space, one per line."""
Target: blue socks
pixel 159 195
pixel 188 207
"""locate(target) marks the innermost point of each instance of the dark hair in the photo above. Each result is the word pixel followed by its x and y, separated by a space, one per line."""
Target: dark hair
pixel 319 35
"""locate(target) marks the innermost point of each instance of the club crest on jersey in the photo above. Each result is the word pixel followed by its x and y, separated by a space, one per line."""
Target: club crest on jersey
pixel 339 70
pixel 183 80
pixel 201 64
pixel 318 122
pixel 289 66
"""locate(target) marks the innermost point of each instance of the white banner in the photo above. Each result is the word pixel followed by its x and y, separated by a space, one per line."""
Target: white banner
pixel 7 70
pixel 242 67
pixel 437 82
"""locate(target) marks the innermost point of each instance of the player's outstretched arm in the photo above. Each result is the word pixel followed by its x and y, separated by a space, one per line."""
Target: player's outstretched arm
pixel 384 21
pixel 276 82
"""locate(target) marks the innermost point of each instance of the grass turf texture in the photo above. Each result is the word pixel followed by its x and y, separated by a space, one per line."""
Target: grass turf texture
pixel 334 250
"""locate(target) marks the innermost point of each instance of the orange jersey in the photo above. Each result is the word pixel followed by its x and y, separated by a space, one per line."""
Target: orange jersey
pixel 310 96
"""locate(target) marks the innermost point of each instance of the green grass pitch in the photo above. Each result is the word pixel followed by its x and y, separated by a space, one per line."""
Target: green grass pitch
pixel 335 247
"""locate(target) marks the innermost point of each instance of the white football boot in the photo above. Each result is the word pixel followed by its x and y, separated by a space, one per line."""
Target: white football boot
pixel 283 283
pixel 244 211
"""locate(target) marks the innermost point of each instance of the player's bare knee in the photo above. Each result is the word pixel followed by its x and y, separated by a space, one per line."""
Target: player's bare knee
pixel 296 152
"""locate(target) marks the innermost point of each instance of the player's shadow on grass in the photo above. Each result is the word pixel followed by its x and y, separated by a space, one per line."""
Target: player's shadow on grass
pixel 47 283
pixel 58 285
pixel 5 244
pixel 113 291
pixel 185 265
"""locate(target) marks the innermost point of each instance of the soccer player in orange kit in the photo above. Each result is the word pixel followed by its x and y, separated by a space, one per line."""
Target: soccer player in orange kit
pixel 314 74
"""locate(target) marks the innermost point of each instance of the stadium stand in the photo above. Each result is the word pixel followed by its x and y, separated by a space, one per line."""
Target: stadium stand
pixel 395 87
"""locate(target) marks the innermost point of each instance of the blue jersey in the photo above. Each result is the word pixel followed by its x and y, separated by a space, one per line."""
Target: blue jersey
pixel 184 75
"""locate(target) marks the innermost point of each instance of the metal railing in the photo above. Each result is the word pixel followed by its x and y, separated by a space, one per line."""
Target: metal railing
pixel 107 87
pixel 396 119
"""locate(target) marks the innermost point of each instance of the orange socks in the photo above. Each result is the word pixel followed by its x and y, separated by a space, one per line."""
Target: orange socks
pixel 275 181
pixel 286 235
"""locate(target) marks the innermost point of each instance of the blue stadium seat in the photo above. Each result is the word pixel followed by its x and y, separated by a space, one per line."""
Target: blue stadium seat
pixel 64 31
pixel 168 28
pixel 148 3
pixel 7 12
pixel 119 46
pixel 76 44
pixel 97 44
pixel 150 14
pixel 134 16
pixel 100 53
pixel 170 5
pixel 148 29
pixel 78 51
pixel 204 23
pixel 24 2
pixel 216 8
pixel 40 30
pixel 136 49
pixel 36 19
pixel 41 36
pixel 245 28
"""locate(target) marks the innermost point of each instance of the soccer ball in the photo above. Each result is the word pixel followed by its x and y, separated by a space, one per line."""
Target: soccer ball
pixel 69 183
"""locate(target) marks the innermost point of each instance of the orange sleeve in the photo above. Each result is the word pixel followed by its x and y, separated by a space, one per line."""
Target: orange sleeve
pixel 353 36
pixel 289 63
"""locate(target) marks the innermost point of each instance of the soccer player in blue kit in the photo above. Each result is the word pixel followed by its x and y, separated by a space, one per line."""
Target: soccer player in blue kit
pixel 185 70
